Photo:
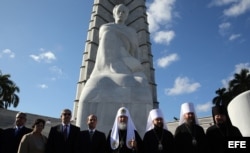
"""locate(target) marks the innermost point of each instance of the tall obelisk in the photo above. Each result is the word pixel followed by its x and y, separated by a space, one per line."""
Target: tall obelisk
pixel 107 108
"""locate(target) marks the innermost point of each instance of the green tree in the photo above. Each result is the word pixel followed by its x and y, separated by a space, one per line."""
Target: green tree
pixel 218 100
pixel 240 83
pixel 236 86
pixel 8 91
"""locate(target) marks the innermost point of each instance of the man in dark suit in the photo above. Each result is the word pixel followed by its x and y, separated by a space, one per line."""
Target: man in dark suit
pixel 11 137
pixel 92 140
pixel 63 138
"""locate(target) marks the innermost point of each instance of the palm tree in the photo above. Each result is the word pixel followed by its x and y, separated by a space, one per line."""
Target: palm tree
pixel 8 88
pixel 220 99
pixel 240 83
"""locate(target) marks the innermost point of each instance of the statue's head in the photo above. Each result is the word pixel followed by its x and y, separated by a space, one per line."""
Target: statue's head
pixel 120 13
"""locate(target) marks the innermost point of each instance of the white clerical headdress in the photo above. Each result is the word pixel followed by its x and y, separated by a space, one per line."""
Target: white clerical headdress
pixel 114 138
pixel 187 108
pixel 153 114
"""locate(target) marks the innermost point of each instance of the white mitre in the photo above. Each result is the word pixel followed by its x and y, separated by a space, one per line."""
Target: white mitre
pixel 114 138
pixel 187 108
pixel 153 114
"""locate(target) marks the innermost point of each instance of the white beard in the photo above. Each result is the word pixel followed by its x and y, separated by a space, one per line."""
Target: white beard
pixel 122 126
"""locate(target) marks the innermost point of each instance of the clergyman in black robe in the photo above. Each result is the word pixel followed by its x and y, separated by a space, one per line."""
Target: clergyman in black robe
pixel 189 136
pixel 123 138
pixel 157 139
pixel 219 133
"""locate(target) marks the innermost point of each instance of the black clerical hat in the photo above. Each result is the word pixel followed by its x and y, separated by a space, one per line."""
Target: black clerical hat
pixel 218 110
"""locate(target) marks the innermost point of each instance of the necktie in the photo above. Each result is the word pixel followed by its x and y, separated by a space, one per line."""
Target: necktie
pixel 91 133
pixel 65 132
pixel 17 130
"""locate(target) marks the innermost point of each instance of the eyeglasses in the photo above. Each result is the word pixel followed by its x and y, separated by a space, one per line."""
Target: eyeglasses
pixel 66 114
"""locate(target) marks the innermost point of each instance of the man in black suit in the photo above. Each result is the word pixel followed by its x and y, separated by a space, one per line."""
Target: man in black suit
pixel 11 137
pixel 92 140
pixel 64 137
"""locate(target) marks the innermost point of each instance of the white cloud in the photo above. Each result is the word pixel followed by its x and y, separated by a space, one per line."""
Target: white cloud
pixel 47 57
pixel 234 36
pixel 236 7
pixel 8 53
pixel 58 72
pixel 167 60
pixel 164 37
pixel 153 26
pixel 43 86
pixel 237 69
pixel 204 107
pixel 241 7
pixel 160 15
pixel 233 8
pixel 182 86
pixel 55 69
pixel 222 2
pixel 241 66
pixel 160 12
pixel 224 27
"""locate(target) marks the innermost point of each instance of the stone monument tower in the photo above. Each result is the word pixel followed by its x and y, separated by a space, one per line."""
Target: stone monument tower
pixel 103 92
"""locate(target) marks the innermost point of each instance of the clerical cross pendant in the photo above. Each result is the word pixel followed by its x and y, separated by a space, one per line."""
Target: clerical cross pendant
pixel 121 143
pixel 194 141
pixel 160 147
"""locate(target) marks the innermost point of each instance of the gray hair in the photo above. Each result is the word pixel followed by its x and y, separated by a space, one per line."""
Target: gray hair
pixel 22 113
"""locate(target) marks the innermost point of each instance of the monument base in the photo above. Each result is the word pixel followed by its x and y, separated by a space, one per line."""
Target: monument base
pixel 104 94
pixel 106 113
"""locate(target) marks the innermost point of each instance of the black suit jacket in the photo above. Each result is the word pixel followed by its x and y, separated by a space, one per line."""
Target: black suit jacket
pixel 96 145
pixel 10 141
pixel 56 142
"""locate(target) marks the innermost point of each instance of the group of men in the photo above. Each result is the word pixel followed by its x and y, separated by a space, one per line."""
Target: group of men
pixel 124 138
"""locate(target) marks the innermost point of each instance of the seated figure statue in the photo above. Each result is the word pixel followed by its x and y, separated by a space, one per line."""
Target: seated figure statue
pixel 118 46
pixel 117 76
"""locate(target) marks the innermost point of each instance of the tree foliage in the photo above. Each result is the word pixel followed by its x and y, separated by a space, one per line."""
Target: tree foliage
pixel 8 90
pixel 236 86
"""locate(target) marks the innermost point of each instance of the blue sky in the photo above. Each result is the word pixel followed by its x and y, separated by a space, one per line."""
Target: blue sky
pixel 197 46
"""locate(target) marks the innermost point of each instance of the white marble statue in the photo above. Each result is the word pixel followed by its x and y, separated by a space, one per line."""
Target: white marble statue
pixel 118 46
pixel 117 78
pixel 239 112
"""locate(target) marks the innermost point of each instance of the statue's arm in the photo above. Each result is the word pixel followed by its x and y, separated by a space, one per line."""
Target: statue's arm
pixel 135 51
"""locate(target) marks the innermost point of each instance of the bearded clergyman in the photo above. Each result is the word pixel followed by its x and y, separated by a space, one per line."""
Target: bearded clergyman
pixel 124 138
